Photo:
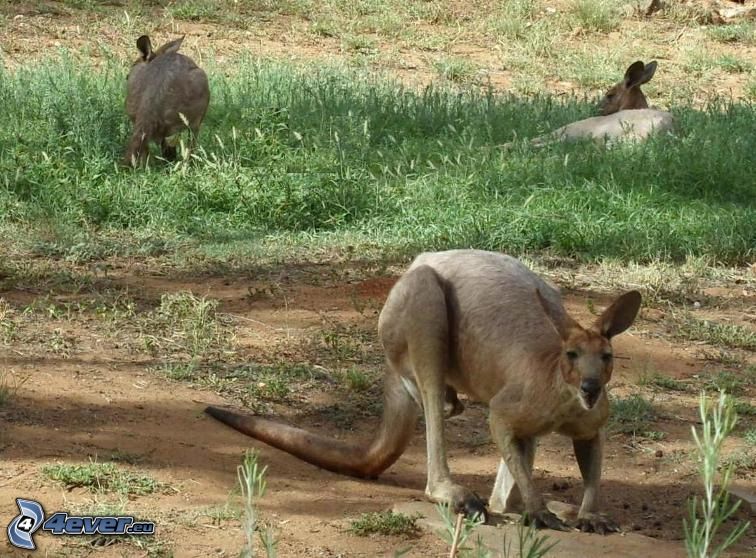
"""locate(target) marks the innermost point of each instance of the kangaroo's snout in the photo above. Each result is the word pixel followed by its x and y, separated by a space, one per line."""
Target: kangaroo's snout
pixel 590 389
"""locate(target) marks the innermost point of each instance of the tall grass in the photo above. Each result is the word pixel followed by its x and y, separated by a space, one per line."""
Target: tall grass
pixel 327 156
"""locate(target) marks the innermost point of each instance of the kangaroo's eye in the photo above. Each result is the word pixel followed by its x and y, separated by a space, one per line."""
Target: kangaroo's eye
pixel 572 355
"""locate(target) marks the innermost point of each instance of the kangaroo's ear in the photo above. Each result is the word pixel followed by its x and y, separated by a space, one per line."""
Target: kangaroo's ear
pixel 620 315
pixel 560 321
pixel 145 48
pixel 634 74
pixel 648 72
pixel 173 46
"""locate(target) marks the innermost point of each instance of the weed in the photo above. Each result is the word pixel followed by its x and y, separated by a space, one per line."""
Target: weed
pixel 101 477
pixel 631 415
pixel 10 383
pixel 187 326
pixel 732 336
pixel 457 70
pixel 743 408
pixel 220 514
pixel 251 478
pixel 8 324
pixel 750 436
pixel 599 16
pixel 744 33
pixel 357 380
pixel 663 382
pixel 384 523
pixel 740 462
pixel 457 532
pixel 733 383
pixel 707 515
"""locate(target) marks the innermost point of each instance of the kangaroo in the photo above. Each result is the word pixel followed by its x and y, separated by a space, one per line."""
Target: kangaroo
pixel 166 92
pixel 483 324
pixel 624 114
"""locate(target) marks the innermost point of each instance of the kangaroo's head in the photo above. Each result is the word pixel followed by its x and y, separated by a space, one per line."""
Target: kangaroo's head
pixel 627 93
pixel 586 359
pixel 147 54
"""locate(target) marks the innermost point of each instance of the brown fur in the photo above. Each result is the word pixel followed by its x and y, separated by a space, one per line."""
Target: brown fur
pixel 482 324
pixel 166 93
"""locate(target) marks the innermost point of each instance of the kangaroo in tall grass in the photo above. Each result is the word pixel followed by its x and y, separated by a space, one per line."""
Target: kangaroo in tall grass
pixel 166 93
pixel 482 324
pixel 624 114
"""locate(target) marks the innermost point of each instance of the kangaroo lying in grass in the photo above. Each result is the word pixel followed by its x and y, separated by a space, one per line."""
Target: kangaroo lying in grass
pixel 624 114
pixel 483 324
pixel 166 92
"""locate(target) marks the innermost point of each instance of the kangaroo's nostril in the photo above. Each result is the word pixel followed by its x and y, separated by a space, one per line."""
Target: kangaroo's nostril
pixel 590 387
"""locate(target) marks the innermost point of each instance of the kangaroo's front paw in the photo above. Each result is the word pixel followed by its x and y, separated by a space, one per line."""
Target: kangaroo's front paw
pixel 472 506
pixel 594 523
pixel 544 519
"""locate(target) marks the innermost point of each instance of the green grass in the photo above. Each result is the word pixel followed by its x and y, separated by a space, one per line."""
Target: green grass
pixel 663 382
pixel 325 158
pixel 744 33
pixel 600 16
pixel 101 478
pixel 732 336
pixel 384 523
pixel 732 382
pixel 10 383
pixel 633 415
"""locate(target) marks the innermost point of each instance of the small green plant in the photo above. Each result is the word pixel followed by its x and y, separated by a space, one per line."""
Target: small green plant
pixel 750 436
pixel 664 382
pixel 744 32
pixel 384 523
pixel 745 409
pixel 10 383
pixel 356 380
pixel 251 479
pixel 102 477
pixel 706 516
pixel 731 382
pixel 458 531
pixel 598 16
pixel 187 327
pixel 727 335
pixel 457 70
pixel 632 415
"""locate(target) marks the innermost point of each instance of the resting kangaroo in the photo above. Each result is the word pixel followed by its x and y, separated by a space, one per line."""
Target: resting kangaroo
pixel 166 92
pixel 483 324
pixel 624 114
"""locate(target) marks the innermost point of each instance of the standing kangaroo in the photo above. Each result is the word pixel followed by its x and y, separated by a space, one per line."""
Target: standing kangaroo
pixel 624 114
pixel 166 92
pixel 483 324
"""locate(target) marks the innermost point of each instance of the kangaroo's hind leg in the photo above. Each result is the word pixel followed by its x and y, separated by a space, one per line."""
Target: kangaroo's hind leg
pixel 414 331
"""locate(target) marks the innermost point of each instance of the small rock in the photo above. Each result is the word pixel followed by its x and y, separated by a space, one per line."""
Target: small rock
pixel 659 453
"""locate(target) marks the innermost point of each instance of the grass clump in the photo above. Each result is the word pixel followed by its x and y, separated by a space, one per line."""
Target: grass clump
pixel 10 383
pixel 632 415
pixel 384 523
pixel 598 16
pixel 251 478
pixel 187 328
pixel 731 336
pixel 101 478
pixel 663 382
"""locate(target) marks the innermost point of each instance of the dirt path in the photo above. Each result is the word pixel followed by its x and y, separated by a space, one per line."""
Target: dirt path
pixel 103 399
